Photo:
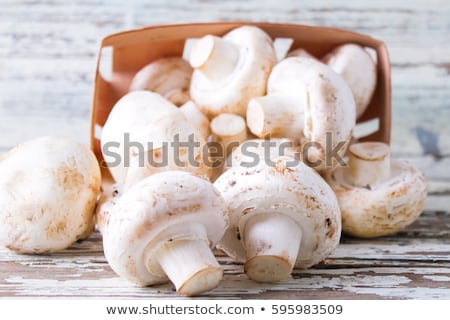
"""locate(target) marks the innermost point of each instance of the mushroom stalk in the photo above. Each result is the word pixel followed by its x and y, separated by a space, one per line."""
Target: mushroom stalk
pixel 369 163
pixel 214 56
pixel 190 265
pixel 279 116
pixel 272 242
pixel 229 130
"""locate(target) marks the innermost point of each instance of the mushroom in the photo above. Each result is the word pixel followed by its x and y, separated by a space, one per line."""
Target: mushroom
pixel 299 52
pixel 229 130
pixel 48 190
pixel 280 216
pixel 164 228
pixel 358 69
pixel 306 100
pixel 377 195
pixel 196 118
pixel 170 77
pixel 253 151
pixel 231 70
pixel 149 134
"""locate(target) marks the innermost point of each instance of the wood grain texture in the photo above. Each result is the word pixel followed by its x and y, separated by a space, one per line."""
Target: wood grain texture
pixel 47 59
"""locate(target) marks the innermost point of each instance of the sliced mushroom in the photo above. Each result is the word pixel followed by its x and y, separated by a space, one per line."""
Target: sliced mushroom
pixel 280 217
pixel 170 77
pixel 164 228
pixel 231 70
pixel 377 195
pixel 48 190
pixel 314 104
pixel 358 69
pixel 148 134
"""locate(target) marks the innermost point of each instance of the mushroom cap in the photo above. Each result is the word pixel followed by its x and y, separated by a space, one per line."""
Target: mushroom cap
pixel 170 77
pixel 296 191
pixel 138 223
pixel 150 121
pixel 381 209
pixel 353 63
pixel 48 190
pixel 232 92
pixel 325 98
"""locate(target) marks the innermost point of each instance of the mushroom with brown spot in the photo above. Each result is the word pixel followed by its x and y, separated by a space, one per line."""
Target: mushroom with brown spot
pixel 48 190
pixel 377 195
pixel 281 216
pixel 170 77
pixel 164 228
pixel 230 70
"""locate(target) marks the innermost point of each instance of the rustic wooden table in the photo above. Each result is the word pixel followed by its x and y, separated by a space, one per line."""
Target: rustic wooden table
pixel 47 58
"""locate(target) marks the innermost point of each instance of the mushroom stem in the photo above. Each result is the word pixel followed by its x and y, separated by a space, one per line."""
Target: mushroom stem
pixel 272 241
pixel 369 163
pixel 196 117
pixel 190 265
pixel 229 130
pixel 279 116
pixel 214 56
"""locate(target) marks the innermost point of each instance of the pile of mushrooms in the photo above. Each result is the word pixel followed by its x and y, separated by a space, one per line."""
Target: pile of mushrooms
pixel 255 180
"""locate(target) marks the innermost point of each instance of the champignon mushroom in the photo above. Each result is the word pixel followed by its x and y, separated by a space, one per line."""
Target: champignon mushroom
pixel 196 118
pixel 146 132
pixel 358 69
pixel 231 70
pixel 279 217
pixel 48 190
pixel 299 52
pixel 306 96
pixel 164 227
pixel 377 195
pixel 229 130
pixel 170 77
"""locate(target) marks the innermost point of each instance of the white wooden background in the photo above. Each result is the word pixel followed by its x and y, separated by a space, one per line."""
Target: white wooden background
pixel 47 58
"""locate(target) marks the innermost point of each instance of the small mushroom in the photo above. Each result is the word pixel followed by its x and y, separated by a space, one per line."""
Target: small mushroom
pixel 279 217
pixel 48 190
pixel 196 118
pixel 164 228
pixel 358 69
pixel 300 52
pixel 305 100
pixel 149 134
pixel 170 77
pixel 377 195
pixel 231 70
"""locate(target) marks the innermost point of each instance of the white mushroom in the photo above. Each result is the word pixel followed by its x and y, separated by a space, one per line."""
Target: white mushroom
pixel 164 227
pixel 314 104
pixel 358 69
pixel 196 118
pixel 231 70
pixel 170 77
pixel 147 133
pixel 377 195
pixel 229 130
pixel 280 217
pixel 48 190
pixel 299 52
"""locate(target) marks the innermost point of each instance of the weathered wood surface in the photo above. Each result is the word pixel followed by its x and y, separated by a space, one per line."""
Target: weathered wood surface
pixel 47 58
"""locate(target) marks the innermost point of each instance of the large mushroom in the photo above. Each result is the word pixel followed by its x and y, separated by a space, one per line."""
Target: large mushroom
pixel 170 77
pixel 48 190
pixel 149 134
pixel 231 70
pixel 353 63
pixel 306 100
pixel 377 195
pixel 281 216
pixel 164 228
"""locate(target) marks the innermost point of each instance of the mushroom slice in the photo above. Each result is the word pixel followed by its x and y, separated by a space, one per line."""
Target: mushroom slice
pixel 164 227
pixel 377 195
pixel 48 190
pixel 358 69
pixel 281 216
pixel 231 70
pixel 170 77
pixel 314 105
